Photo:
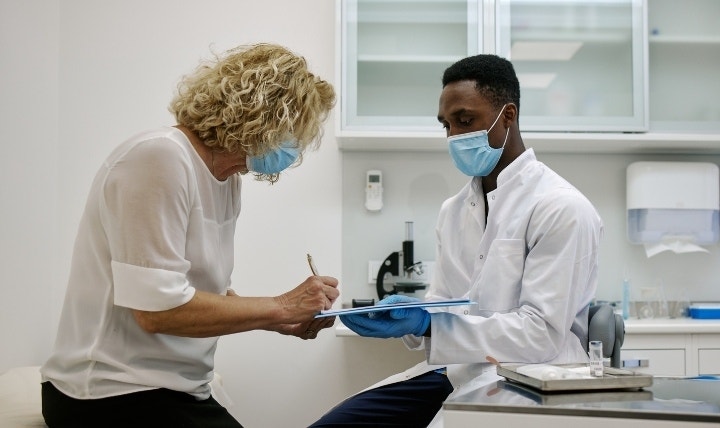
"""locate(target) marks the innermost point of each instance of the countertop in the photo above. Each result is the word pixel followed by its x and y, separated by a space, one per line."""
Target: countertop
pixel 342 330
pixel 671 325
pixel 632 326
pixel 666 400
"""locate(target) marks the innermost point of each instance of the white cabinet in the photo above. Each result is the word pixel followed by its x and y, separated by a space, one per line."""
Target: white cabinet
pixel 393 54
pixel 581 64
pixel 657 354
pixel 597 76
pixel 684 54
pixel 673 347
pixel 707 349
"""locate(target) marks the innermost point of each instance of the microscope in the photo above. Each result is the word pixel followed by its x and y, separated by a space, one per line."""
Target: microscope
pixel 405 281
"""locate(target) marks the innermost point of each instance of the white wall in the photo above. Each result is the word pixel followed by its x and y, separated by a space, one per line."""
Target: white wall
pixel 603 180
pixel 28 178
pixel 78 77
pixel 415 185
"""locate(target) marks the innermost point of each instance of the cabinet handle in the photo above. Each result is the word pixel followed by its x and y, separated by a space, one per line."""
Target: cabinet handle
pixel 635 363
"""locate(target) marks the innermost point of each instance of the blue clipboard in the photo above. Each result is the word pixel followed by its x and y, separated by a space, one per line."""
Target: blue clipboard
pixel 378 308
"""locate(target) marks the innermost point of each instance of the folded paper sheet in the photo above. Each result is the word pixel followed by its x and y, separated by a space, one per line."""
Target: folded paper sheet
pixel 677 246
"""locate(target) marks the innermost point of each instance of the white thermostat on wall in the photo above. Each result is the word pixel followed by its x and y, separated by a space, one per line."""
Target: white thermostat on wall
pixel 373 190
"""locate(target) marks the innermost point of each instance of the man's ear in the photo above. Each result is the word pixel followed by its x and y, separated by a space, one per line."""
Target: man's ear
pixel 510 115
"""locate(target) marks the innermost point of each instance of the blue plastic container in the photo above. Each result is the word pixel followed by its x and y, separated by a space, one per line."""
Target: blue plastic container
pixel 705 311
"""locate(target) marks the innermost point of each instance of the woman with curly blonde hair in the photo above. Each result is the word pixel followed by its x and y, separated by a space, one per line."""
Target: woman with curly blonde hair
pixel 252 101
pixel 149 288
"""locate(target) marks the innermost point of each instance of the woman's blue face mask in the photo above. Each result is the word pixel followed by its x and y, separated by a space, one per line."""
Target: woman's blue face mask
pixel 274 161
pixel 472 154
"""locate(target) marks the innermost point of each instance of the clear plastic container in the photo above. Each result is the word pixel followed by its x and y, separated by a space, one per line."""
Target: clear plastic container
pixel 596 358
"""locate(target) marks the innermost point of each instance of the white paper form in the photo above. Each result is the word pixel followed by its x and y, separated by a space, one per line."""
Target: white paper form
pixel 377 308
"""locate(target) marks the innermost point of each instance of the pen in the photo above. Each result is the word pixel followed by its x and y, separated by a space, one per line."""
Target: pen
pixel 313 269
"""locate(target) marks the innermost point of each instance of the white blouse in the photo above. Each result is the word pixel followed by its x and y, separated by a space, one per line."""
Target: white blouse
pixel 157 226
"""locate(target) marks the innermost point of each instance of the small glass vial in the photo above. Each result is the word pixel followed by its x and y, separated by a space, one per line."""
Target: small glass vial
pixel 596 358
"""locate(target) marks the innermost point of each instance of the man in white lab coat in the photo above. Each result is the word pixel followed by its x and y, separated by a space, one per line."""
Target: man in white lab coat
pixel 518 239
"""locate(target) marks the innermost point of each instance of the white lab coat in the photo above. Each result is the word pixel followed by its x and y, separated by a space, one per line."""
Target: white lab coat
pixel 532 269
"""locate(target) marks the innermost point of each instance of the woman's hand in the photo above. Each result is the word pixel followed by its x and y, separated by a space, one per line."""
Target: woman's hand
pixel 309 329
pixel 302 303
pixel 315 294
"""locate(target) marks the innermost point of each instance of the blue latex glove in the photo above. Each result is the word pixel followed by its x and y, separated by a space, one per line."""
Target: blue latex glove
pixel 391 323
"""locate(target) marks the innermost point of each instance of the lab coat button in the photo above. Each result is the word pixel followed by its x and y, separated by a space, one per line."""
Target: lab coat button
pixel 465 312
pixel 481 256
pixel 472 204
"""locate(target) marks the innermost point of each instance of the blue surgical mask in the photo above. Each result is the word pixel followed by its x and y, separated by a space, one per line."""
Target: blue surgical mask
pixel 274 161
pixel 472 154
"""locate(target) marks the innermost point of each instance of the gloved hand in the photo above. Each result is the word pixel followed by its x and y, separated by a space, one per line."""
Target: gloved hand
pixel 391 323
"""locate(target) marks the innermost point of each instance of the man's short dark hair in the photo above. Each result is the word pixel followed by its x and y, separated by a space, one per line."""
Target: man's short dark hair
pixel 494 78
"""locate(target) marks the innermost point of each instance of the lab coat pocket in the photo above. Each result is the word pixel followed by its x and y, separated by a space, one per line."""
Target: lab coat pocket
pixel 497 282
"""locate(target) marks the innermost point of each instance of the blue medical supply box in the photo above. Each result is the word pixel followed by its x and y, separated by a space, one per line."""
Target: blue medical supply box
pixel 705 311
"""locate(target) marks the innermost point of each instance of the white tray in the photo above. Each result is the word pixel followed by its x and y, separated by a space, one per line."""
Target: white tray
pixel 612 379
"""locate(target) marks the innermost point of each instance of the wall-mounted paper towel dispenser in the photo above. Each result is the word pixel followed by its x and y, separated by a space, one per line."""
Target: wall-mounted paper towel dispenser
pixel 673 203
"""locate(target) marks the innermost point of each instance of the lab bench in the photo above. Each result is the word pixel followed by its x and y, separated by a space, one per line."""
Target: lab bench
pixel 669 403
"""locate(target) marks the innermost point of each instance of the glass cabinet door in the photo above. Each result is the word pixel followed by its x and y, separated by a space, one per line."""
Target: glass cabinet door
pixel 581 63
pixel 393 55
pixel 684 56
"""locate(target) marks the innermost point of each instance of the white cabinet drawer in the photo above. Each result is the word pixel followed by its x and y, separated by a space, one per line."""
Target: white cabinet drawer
pixel 664 362
pixel 689 351
pixel 709 361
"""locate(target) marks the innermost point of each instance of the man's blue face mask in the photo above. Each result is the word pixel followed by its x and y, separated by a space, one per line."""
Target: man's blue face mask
pixel 472 154
pixel 274 161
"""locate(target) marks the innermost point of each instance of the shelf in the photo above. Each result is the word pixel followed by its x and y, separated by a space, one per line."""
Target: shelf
pixel 391 59
pixel 550 142
pixel 575 36
pixel 342 331
pixel 413 12
pixel 691 40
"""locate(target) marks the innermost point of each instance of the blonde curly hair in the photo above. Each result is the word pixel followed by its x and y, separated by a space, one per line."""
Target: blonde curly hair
pixel 253 98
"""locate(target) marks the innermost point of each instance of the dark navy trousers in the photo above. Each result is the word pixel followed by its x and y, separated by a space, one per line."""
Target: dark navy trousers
pixel 156 408
pixel 410 403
